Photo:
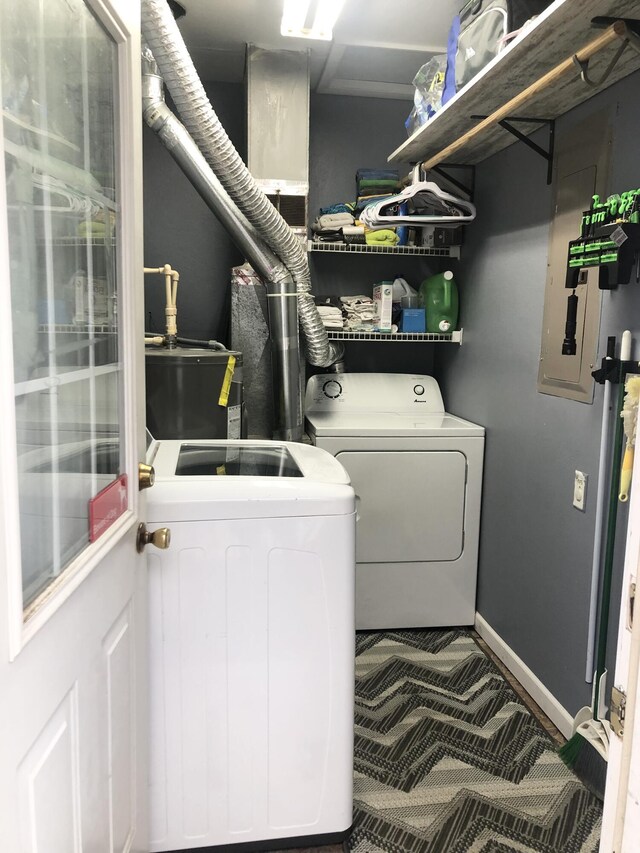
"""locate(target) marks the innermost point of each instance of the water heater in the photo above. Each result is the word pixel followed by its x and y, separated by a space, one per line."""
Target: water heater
pixel 194 393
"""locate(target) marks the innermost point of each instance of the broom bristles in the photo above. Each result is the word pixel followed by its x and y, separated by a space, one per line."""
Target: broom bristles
pixel 585 761
pixel 571 750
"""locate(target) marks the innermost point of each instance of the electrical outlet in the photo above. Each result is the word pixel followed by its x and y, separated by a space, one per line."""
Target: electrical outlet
pixel 580 490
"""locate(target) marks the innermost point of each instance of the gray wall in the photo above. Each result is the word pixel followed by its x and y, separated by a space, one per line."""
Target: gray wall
pixel 181 230
pixel 535 553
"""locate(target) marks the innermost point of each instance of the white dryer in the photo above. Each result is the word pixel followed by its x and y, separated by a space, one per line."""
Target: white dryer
pixel 251 645
pixel 417 473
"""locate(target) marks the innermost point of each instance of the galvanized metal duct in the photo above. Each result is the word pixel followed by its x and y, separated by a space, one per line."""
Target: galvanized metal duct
pixel 281 290
pixel 161 33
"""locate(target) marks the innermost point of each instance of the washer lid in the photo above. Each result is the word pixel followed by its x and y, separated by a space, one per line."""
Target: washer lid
pixel 217 479
pixel 248 460
pixel 389 424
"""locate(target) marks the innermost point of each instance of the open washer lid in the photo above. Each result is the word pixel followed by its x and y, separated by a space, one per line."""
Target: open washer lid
pixel 218 479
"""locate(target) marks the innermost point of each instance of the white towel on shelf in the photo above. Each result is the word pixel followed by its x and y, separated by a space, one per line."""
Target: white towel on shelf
pixel 329 310
pixel 333 220
pixel 358 324
pixel 354 300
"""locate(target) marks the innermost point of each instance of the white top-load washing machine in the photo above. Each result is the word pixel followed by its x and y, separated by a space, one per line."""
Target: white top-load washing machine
pixel 252 644
pixel 417 473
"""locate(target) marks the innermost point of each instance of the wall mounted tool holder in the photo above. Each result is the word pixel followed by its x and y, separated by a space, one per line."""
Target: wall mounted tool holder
pixel 609 240
pixel 613 369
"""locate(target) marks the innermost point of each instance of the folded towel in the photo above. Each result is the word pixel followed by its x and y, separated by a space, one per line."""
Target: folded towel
pixel 379 190
pixel 97 230
pixel 339 207
pixel 330 323
pixel 383 237
pixel 365 200
pixel 354 300
pixel 367 316
pixel 329 311
pixel 369 197
pixel 357 324
pixel 334 220
pixel 375 184
pixel 377 174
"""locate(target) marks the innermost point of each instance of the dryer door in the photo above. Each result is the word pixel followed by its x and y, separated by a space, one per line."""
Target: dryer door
pixel 411 504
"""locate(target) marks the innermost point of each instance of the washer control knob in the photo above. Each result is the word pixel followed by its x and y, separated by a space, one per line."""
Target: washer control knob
pixel 418 390
pixel 332 389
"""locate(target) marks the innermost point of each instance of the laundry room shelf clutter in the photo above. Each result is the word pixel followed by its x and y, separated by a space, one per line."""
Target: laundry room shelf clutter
pixel 454 133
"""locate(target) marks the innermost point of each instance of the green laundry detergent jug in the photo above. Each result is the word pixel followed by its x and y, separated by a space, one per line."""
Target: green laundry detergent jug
pixel 440 296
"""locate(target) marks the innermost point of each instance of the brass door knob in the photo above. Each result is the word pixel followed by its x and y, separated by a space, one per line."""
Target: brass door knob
pixel 146 476
pixel 161 538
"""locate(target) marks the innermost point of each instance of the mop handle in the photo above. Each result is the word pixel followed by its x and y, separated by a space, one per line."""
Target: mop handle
pixel 597 537
pixel 625 354
pixel 611 537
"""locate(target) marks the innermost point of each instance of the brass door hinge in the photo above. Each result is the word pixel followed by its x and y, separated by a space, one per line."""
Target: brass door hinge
pixel 618 710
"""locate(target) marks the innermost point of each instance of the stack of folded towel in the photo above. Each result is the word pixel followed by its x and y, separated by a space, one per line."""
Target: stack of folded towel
pixel 338 222
pixel 337 227
pixel 331 316
pixel 360 312
pixel 373 185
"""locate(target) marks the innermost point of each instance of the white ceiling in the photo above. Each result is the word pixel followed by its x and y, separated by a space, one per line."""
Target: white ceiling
pixel 378 45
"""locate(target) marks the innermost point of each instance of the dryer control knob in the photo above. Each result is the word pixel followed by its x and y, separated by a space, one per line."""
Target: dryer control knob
pixel 418 390
pixel 332 389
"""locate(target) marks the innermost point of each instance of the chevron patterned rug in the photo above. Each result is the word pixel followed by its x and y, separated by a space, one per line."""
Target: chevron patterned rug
pixel 449 760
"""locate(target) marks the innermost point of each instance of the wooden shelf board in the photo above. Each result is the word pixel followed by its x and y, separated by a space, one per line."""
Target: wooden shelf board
pixel 561 30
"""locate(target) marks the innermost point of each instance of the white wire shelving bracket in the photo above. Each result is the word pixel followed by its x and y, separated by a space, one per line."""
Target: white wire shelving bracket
pixel 395 337
pixel 367 249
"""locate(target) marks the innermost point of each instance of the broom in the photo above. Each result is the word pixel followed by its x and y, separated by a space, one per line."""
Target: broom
pixel 587 749
pixel 629 417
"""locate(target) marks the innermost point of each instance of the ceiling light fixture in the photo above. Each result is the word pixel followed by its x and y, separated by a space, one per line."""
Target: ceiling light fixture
pixel 324 14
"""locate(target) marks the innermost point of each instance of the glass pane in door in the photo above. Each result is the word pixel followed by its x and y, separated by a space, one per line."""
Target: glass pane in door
pixel 59 118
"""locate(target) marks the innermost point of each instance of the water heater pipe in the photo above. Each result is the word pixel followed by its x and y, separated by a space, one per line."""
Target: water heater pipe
pixel 171 279
pixel 161 33
pixel 280 287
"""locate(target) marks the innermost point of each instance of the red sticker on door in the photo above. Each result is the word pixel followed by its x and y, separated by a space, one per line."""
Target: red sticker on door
pixel 107 506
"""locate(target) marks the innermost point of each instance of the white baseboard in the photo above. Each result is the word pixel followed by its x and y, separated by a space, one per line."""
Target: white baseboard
pixel 558 715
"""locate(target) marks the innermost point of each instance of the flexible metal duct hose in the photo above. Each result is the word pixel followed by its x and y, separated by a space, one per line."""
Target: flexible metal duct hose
pixel 281 291
pixel 161 33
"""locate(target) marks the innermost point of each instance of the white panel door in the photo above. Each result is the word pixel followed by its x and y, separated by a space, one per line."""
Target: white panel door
pixel 621 817
pixel 72 586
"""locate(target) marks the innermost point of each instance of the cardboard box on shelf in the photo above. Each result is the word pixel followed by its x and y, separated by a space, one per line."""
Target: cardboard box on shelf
pixel 383 299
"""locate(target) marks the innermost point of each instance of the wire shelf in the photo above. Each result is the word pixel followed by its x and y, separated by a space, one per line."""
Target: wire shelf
pixel 367 249
pixel 79 329
pixel 83 241
pixel 394 337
